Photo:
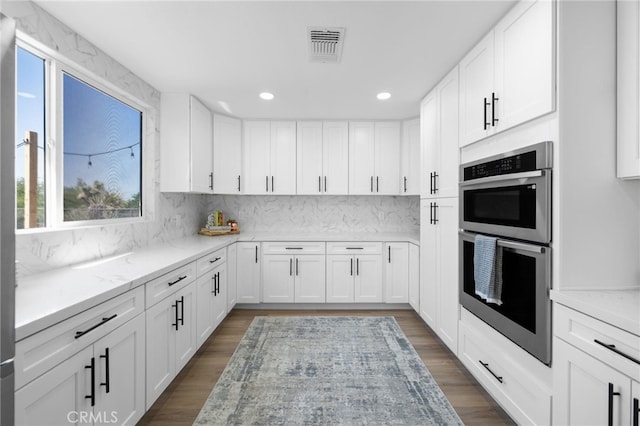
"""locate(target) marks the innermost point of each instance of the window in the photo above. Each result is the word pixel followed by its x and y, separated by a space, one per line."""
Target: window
pixel 86 161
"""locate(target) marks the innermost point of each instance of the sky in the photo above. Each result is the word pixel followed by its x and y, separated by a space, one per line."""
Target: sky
pixel 96 128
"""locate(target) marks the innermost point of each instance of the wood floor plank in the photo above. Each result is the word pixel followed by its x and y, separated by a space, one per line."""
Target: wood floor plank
pixel 181 401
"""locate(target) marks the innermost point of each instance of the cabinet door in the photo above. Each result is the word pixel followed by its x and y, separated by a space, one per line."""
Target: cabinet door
pixel 414 277
pixel 524 67
pixel 309 273
pixel 396 282
pixel 447 153
pixel 201 124
pixel 277 278
pixel 186 341
pixel 204 306
pixel 227 154
pixel 335 157
pixel 476 86
pixel 220 295
pixel 161 348
pixel 448 307
pixel 231 276
pixel 248 273
pixel 428 264
pixel 410 158
pixel 429 143
pixel 120 372
pixel 310 159
pixel 256 152
pixel 340 273
pixel 60 392
pixel 283 157
pixel 361 158
pixel 368 279
pixel 387 157
pixel 581 389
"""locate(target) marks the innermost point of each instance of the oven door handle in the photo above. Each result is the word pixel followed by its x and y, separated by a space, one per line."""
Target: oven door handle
pixel 532 248
pixel 512 176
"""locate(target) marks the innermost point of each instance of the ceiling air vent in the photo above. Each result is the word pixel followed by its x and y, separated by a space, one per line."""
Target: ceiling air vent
pixel 325 44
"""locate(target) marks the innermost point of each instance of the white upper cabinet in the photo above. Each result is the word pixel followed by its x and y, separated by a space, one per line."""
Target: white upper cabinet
pixel 186 148
pixel 323 152
pixel 269 157
pixel 374 158
pixel 439 144
pixel 410 157
pixel 509 77
pixel 227 154
pixel 628 89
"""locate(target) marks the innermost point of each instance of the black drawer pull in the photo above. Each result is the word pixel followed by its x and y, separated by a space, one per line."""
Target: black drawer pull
pixel 104 321
pixel 294 248
pixel 486 365
pixel 619 352
pixel 355 248
pixel 177 281
pixel 215 260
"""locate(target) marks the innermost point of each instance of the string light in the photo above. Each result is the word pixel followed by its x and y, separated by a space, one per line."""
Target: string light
pixel 90 163
pixel 93 154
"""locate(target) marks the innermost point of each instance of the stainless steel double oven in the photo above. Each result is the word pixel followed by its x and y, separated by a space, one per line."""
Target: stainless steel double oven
pixel 508 196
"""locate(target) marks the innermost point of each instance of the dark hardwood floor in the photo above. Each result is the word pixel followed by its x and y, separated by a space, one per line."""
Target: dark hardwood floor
pixel 182 400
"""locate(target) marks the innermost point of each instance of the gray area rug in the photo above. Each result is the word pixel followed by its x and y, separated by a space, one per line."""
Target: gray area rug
pixel 326 370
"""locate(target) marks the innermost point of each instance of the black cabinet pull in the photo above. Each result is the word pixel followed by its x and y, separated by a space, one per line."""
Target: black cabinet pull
pixel 92 367
pixel 610 404
pixel 431 213
pixel 218 282
pixel 256 254
pixel 636 410
pixel 357 266
pixel 435 213
pixel 273 187
pixel 389 254
pixel 211 180
pixel 177 281
pixel 213 278
pixel 296 267
pixel 215 260
pixel 494 120
pixel 238 183
pixel 355 248
pixel 175 324
pixel 432 183
pixel 266 183
pixel 106 370
pixel 377 184
pixel 290 267
pixel 319 184
pixel 619 352
pixel 181 310
pixel 351 273
pixel 435 182
pixel 484 109
pixel 486 365
pixel 325 184
pixel 371 183
pixel 294 248
pixel 103 322
pixel 405 184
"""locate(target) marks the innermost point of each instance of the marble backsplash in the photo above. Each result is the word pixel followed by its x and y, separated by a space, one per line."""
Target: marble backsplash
pixel 331 214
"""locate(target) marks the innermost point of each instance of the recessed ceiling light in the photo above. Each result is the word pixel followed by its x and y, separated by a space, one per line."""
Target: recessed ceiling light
pixel 266 96
pixel 383 96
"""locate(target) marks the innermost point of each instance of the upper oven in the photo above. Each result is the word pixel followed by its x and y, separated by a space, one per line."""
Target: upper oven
pixel 509 194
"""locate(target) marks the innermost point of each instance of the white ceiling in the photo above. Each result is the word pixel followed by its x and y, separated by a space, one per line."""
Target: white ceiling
pixel 226 52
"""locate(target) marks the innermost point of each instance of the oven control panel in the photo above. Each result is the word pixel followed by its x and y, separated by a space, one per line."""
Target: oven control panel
pixel 524 162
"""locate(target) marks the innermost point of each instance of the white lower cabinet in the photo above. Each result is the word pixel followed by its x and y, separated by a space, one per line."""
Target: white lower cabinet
pixel 248 272
pixel 354 278
pixel 414 277
pixel 516 380
pixel 293 272
pixel 594 383
pixel 101 384
pixel 232 261
pixel 396 267
pixel 211 301
pixel 171 339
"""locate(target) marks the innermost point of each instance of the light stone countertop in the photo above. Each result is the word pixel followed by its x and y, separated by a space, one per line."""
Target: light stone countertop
pixel 620 308
pixel 48 298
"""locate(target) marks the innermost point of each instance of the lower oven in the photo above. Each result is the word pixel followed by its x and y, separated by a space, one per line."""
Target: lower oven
pixel 525 313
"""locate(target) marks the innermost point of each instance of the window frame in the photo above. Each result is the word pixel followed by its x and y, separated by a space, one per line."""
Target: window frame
pixel 55 67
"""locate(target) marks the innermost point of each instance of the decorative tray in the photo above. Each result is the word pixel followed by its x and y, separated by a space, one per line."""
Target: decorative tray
pixel 216 232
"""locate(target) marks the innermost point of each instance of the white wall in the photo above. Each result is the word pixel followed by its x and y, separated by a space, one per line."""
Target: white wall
pixel 315 214
pixel 170 215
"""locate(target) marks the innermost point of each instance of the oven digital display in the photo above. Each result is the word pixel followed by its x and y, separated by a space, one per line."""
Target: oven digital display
pixel 515 164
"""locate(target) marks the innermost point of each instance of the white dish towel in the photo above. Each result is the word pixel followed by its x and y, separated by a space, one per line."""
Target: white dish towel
pixel 487 268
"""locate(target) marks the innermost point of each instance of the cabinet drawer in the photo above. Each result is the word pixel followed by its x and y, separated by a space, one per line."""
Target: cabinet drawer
pixel 511 377
pixel 293 247
pixel 583 331
pixel 354 248
pixel 42 351
pixel 169 283
pixel 210 261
